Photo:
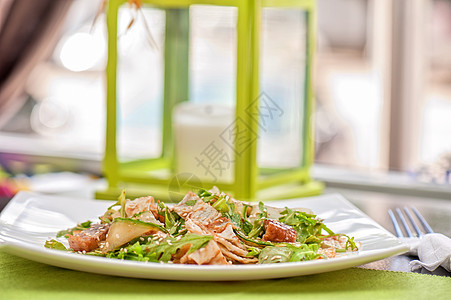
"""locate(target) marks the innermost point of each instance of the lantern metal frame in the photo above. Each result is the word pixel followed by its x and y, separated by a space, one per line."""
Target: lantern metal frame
pixel 250 182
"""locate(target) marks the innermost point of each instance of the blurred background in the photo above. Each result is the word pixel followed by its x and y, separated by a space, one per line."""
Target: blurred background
pixel 382 78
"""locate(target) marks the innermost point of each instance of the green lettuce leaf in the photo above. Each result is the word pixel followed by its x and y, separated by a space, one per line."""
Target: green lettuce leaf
pixel 307 226
pixel 160 251
pixel 272 255
pixel 288 253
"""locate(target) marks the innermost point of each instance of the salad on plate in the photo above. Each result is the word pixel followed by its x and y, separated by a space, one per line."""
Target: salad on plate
pixel 206 228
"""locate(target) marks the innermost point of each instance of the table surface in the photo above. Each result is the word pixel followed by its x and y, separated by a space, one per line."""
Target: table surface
pixel 436 211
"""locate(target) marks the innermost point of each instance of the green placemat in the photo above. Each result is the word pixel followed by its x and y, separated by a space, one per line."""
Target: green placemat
pixel 25 279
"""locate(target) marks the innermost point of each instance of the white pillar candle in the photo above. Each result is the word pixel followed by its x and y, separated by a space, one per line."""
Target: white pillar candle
pixel 201 148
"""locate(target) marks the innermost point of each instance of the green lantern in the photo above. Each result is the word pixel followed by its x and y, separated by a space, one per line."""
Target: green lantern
pixel 253 109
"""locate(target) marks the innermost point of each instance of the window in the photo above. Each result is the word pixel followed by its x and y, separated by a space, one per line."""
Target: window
pixel 383 94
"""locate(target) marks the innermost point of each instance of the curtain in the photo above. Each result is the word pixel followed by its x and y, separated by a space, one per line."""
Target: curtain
pixel 29 31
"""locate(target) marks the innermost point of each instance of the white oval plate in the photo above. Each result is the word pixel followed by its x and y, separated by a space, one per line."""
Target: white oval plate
pixel 30 219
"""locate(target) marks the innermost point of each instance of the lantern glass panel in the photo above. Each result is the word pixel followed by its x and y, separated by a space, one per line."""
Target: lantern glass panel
pixel 212 72
pixel 140 84
pixel 200 126
pixel 282 84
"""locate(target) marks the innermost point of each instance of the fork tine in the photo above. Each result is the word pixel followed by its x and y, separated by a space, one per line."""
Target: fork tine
pixel 412 221
pixel 422 220
pixel 395 224
pixel 404 223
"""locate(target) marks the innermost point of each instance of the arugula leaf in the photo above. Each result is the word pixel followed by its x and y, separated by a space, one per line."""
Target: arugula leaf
pixel 350 244
pixel 245 208
pixel 165 250
pixel 169 219
pixel 246 226
pixel 70 231
pixel 304 252
pixel 257 229
pixel 294 218
pixel 178 228
pixel 172 221
pixel 160 251
pixel 190 202
pixel 262 208
pixel 120 201
pixel 227 209
pixel 251 241
pixel 253 251
pixel 307 226
pixel 206 196
pixel 258 225
pixel 222 205
pixel 104 219
pixel 54 244
pixel 203 193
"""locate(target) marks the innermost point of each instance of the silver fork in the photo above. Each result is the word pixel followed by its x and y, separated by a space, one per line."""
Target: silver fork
pixel 398 231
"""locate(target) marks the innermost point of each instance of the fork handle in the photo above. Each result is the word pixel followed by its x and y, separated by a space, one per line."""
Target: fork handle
pixel 395 224
pixel 422 220
pixel 412 221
